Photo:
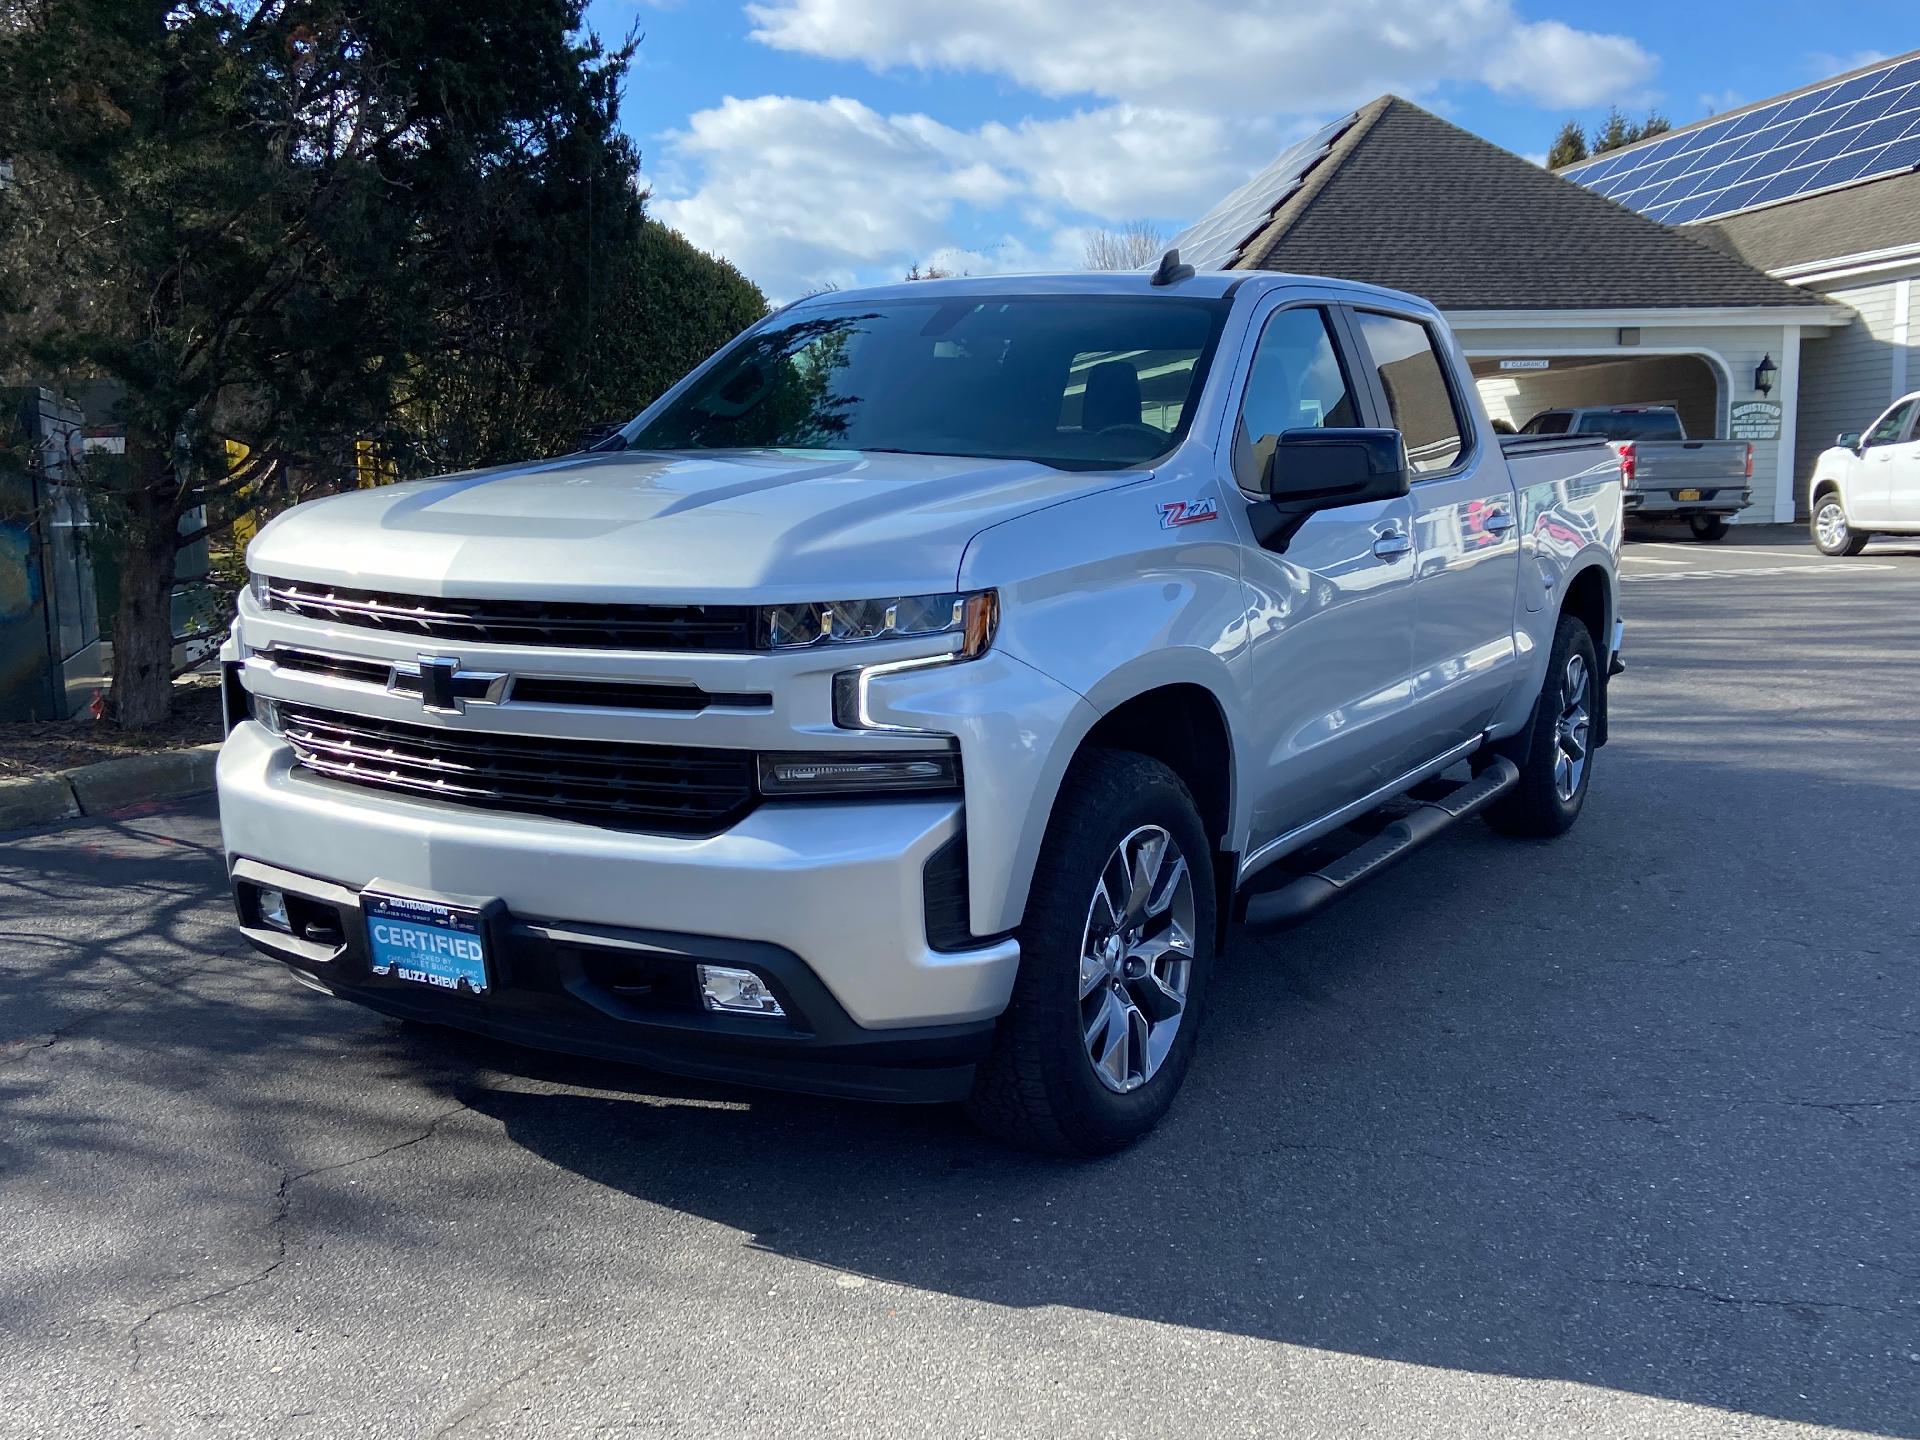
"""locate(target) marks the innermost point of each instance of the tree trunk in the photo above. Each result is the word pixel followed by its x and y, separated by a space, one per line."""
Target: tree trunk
pixel 142 692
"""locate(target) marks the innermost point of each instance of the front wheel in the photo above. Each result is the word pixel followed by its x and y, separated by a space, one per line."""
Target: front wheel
pixel 1115 951
pixel 1832 535
pixel 1559 765
pixel 1708 528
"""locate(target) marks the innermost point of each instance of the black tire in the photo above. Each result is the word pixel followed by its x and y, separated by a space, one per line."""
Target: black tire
pixel 1708 528
pixel 1535 807
pixel 1038 1089
pixel 1840 538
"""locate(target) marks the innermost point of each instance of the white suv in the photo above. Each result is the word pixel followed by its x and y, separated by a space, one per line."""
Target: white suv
pixel 1869 484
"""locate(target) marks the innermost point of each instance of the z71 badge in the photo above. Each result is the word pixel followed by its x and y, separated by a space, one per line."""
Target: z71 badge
pixel 1188 512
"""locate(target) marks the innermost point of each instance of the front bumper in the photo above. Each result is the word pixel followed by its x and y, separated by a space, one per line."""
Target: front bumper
pixel 840 887
pixel 616 993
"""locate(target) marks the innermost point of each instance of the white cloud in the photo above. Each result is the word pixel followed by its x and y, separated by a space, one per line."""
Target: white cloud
pixel 1178 101
pixel 1825 64
pixel 1224 56
pixel 1556 64
pixel 800 193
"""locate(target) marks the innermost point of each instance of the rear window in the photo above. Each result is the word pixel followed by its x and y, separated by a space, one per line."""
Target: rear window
pixel 1406 356
pixel 1632 424
pixel 1553 422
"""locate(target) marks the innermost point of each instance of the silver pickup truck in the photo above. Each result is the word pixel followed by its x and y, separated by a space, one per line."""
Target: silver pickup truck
pixel 1665 475
pixel 904 705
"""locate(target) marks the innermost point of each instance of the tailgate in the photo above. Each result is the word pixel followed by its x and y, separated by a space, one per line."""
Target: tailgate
pixel 1664 464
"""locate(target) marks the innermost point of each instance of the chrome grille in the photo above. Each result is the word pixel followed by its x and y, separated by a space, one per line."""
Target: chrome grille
pixel 522 622
pixel 670 789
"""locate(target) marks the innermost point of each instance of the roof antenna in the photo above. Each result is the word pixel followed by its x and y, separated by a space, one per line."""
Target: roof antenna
pixel 1171 271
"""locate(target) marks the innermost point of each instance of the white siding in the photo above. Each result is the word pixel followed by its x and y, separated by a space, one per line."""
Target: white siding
pixel 1853 374
pixel 1737 349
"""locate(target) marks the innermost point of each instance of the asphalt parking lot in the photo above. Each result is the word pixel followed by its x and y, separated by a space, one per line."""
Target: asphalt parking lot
pixel 1614 1136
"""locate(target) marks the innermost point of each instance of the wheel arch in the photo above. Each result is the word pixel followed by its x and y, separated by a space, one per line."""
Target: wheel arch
pixel 1590 599
pixel 1179 718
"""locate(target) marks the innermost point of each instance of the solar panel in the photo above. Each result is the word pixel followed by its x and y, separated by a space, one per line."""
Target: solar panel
pixel 1215 240
pixel 1850 129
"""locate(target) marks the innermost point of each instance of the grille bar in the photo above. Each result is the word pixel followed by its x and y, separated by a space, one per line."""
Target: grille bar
pixel 667 788
pixel 524 689
pixel 573 625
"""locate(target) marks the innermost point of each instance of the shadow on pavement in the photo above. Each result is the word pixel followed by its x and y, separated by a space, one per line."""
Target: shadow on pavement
pixel 1634 1110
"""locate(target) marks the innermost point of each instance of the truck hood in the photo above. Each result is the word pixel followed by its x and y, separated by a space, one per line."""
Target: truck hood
pixel 772 525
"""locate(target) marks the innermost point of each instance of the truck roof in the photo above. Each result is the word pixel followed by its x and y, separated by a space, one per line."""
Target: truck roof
pixel 1205 284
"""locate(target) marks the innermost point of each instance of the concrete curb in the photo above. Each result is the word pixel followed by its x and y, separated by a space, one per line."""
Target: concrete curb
pixel 104 786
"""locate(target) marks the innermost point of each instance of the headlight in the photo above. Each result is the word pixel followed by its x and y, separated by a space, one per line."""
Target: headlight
pixel 825 773
pixel 972 616
pixel 258 584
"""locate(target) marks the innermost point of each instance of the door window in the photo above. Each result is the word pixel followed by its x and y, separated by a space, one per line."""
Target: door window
pixel 1893 425
pixel 1296 383
pixel 1415 381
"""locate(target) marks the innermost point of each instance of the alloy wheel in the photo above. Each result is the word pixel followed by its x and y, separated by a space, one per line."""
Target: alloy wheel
pixel 1571 730
pixel 1830 525
pixel 1136 958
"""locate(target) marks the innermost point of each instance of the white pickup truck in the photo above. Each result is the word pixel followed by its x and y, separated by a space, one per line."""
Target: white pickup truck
pixel 905 703
pixel 1869 483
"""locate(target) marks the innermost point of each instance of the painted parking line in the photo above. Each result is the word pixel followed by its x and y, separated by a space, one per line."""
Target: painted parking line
pixel 1755 570
pixel 1716 550
pixel 1648 560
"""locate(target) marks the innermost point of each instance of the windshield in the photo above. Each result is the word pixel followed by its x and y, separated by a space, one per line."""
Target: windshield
pixel 1632 424
pixel 1078 382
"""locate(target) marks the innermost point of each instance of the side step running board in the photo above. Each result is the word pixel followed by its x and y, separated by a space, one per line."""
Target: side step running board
pixel 1307 896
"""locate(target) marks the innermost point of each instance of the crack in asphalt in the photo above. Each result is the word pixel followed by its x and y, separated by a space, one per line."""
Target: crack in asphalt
pixel 277 1225
pixel 1373 1154
pixel 1757 1301
pixel 477 1406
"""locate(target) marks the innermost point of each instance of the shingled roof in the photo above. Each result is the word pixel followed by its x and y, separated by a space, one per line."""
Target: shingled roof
pixel 1406 200
pixel 1832 224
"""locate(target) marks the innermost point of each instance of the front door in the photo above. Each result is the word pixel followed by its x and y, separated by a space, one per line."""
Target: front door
pixel 1875 497
pixel 1903 474
pixel 1328 665
pixel 1465 537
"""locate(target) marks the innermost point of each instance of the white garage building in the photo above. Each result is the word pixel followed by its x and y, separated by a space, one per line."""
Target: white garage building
pixel 1818 187
pixel 1558 294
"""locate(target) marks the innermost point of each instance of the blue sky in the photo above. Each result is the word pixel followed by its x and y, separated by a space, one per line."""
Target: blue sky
pixel 840 141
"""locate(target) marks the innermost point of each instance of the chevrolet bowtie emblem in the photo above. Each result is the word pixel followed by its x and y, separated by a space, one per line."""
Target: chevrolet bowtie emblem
pixel 444 688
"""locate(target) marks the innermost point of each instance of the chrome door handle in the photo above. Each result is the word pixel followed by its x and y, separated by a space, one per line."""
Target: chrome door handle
pixel 1499 522
pixel 1392 545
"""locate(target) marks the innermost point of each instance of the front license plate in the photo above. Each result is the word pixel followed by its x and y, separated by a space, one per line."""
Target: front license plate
pixel 427 943
pixel 1686 494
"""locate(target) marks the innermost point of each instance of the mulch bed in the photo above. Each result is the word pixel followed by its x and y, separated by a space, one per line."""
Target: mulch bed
pixel 38 747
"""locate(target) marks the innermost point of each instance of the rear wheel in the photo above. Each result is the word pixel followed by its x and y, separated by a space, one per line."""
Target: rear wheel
pixel 1832 535
pixel 1708 528
pixel 1114 956
pixel 1559 765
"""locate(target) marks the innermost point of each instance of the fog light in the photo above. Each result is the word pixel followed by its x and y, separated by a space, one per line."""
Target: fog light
pixel 273 911
pixel 737 992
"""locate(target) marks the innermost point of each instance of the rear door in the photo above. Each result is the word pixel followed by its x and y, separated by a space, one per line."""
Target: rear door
pixel 1466 540
pixel 1329 655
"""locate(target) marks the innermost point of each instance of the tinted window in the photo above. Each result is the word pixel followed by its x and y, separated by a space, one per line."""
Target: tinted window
pixel 1632 424
pixel 1412 374
pixel 1081 383
pixel 1551 422
pixel 1296 383
pixel 1893 425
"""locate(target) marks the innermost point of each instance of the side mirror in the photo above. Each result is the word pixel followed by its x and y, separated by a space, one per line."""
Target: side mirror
pixel 1848 439
pixel 1325 469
